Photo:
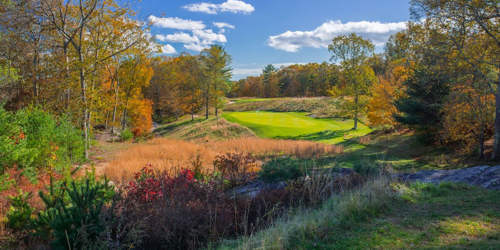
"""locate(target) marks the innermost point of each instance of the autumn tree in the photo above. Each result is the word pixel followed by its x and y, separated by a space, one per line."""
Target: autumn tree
pixel 96 31
pixel 473 27
pixel 353 51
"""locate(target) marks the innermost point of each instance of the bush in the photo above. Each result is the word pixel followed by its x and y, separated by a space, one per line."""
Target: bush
pixel 282 169
pixel 32 139
pixel 237 168
pixel 186 213
pixel 366 169
pixel 71 206
pixel 19 215
pixel 126 135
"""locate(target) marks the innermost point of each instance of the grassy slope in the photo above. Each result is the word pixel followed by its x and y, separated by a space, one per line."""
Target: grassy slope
pixel 297 126
pixel 419 216
pixel 247 100
pixel 214 128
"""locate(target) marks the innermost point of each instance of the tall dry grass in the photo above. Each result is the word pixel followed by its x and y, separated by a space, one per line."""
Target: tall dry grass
pixel 173 155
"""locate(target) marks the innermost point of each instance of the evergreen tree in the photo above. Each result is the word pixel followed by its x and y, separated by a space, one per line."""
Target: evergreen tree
pixel 422 105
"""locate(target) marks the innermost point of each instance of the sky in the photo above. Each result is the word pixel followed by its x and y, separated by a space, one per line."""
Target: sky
pixel 260 32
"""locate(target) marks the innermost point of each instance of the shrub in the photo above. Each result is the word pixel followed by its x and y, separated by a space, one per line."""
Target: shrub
pixel 126 135
pixel 282 169
pixel 367 169
pixel 32 139
pixel 20 211
pixel 236 168
pixel 186 213
pixel 71 206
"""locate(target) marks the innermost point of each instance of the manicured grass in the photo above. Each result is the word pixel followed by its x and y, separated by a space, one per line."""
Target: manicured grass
pixel 297 126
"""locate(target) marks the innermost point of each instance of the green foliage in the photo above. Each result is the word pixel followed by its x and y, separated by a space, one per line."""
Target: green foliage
pixel 282 169
pixel 71 206
pixel 13 146
pixel 32 139
pixel 126 135
pixel 366 169
pixel 425 93
pixel 20 211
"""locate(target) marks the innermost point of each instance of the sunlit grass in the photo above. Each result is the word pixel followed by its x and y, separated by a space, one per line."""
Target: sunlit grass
pixel 297 126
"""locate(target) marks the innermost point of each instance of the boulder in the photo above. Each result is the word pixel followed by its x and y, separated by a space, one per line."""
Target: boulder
pixel 481 176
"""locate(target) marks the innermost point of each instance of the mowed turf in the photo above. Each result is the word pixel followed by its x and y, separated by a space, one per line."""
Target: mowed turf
pixel 297 126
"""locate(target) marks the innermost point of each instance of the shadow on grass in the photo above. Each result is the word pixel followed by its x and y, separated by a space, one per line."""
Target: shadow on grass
pixel 319 136
pixel 163 130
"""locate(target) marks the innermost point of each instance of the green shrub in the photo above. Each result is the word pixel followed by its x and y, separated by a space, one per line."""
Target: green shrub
pixel 126 135
pixel 71 206
pixel 20 211
pixel 366 169
pixel 282 169
pixel 32 139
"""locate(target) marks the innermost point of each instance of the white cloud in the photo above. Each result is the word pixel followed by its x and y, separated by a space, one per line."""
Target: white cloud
pixel 209 37
pixel 293 41
pixel 168 49
pixel 176 23
pixel 233 6
pixel 252 71
pixel 244 72
pixel 195 47
pixel 178 38
pixel 222 25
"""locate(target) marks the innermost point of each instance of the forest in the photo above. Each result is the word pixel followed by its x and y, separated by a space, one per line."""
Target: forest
pixel 106 142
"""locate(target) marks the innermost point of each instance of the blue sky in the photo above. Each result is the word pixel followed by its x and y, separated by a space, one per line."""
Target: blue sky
pixel 260 32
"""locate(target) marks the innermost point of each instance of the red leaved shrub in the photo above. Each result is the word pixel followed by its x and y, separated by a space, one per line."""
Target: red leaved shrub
pixel 186 213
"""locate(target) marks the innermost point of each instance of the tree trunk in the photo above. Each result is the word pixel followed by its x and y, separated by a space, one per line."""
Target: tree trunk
pixel 83 87
pixel 115 105
pixel 356 113
pixel 495 155
pixel 207 99
pixel 481 141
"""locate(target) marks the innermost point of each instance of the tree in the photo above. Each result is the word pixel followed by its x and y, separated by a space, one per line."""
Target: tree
pixel 217 74
pixel 96 30
pixel 473 27
pixel 425 93
pixel 353 52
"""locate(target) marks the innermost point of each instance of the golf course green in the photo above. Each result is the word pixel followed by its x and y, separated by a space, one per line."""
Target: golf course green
pixel 297 126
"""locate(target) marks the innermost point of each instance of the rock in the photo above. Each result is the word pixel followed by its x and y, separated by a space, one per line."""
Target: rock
pixel 482 176
pixel 252 188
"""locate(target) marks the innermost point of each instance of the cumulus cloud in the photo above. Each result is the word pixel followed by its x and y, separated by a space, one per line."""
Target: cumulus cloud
pixel 209 37
pixel 195 47
pixel 178 38
pixel 176 23
pixel 293 41
pixel 168 49
pixel 233 6
pixel 222 25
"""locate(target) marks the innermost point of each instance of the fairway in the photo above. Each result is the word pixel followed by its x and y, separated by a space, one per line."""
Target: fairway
pixel 297 126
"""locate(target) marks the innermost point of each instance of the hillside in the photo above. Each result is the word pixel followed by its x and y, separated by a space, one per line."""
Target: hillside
pixel 214 128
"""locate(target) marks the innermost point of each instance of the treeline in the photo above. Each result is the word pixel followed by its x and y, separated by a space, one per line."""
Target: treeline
pixel 297 80
pixel 188 84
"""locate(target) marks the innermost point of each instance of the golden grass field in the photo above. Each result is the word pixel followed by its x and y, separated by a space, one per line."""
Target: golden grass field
pixel 174 155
